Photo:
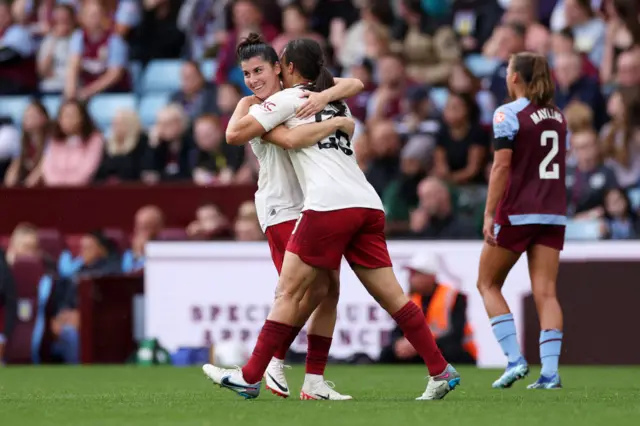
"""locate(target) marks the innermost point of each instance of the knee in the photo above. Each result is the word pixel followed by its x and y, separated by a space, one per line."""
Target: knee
pixel 286 293
pixel 484 286
pixel 544 294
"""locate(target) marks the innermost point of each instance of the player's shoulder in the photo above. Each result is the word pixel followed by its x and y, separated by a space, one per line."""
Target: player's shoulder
pixel 512 109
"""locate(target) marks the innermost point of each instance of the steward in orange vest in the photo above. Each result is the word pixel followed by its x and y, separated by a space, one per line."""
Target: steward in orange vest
pixel 445 313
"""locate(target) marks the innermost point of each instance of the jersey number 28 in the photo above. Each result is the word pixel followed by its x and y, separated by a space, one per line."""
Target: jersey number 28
pixel 554 171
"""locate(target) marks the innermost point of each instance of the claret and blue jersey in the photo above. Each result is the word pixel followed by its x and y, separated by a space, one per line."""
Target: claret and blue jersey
pixel 535 192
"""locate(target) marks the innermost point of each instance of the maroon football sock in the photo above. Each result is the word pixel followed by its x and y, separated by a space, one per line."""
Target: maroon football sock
pixel 270 339
pixel 281 353
pixel 317 354
pixel 412 322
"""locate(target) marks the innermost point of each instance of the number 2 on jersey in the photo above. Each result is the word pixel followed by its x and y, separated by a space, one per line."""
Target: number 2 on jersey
pixel 554 173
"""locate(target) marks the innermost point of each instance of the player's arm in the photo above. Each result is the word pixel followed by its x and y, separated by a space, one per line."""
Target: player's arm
pixel 309 134
pixel 343 88
pixel 250 120
pixel 505 128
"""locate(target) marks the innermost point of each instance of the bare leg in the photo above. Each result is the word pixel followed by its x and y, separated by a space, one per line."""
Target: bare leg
pixel 295 279
pixel 543 269
pixel 495 264
pixel 323 319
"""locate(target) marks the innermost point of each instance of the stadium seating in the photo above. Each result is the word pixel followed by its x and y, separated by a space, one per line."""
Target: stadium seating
pixel 103 107
pixel 13 107
pixel 209 68
pixel 481 66
pixel 149 106
pixel 438 96
pixel 161 76
pixel 52 104
pixel 51 242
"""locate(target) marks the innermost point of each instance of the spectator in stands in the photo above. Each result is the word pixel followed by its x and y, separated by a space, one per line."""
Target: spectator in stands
pixel 40 16
pixel 17 52
pixel 247 226
pixel 384 143
pixel 363 71
pixel 74 154
pixel 418 116
pixel 347 41
pixel 401 195
pixel 296 25
pixel 99 57
pixel 579 118
pixel 159 35
pixel 589 180
pixel 462 145
pixel 9 146
pixel 524 12
pixel 210 224
pixel 445 310
pixel 620 221
pixel 621 137
pixel 128 15
pixel 474 21
pixel 332 22
pixel 26 168
pixel 125 149
pixel 216 161
pixel 572 84
pixel 384 104
pixel 562 42
pixel 149 220
pixel 247 17
pixel 203 22
pixel 196 96
pixel 377 41
pixel 588 29
pixel 168 158
pixel 435 218
pixel 462 80
pixel 629 68
pixel 53 54
pixel 430 47
pixel 509 40
pixel 24 241
pixel 99 256
pixel 8 303
pixel 227 98
pixel 623 32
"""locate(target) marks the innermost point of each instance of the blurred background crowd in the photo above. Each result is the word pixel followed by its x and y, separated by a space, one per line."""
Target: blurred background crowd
pixel 112 92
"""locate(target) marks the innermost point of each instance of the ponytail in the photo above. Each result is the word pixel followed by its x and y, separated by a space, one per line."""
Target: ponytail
pixel 536 75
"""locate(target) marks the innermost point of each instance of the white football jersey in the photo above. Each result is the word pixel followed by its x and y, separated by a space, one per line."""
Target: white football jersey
pixel 327 171
pixel 279 196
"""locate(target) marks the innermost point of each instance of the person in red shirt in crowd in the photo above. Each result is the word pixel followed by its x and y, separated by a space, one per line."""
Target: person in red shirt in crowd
pixel 563 42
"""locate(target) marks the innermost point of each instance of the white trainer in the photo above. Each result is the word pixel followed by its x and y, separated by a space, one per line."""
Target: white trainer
pixel 439 386
pixel 316 388
pixel 274 378
pixel 232 379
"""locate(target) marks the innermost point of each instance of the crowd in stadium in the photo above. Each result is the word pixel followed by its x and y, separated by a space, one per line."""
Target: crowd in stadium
pixel 116 91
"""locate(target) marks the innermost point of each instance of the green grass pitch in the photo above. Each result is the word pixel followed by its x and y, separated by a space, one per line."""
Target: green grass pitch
pixel 93 396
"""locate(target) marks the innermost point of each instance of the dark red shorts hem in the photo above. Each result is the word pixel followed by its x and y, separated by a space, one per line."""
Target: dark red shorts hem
pixel 518 238
pixel 278 237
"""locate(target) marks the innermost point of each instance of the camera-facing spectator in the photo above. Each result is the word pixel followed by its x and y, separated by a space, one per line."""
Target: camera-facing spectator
pixel 295 25
pixel 572 84
pixel 462 145
pixel 17 51
pixel 524 12
pixel 168 158
pixel 209 224
pixel 148 220
pixel 25 169
pixel 227 98
pixel 435 218
pixel 74 154
pixel 247 226
pixel 620 221
pixel 196 96
pixel 24 241
pixel 623 31
pixel 384 143
pixel 160 37
pixel 430 47
pixel 53 55
pixel 621 136
pixel 629 68
pixel 385 102
pixel 589 180
pixel 562 42
pixel 99 57
pixel 216 161
pixel 125 149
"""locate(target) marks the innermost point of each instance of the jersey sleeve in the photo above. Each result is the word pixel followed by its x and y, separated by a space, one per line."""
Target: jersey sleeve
pixel 505 128
pixel 277 109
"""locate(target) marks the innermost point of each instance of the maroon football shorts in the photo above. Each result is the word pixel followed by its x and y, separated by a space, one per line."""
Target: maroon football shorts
pixel 518 238
pixel 320 239
pixel 278 237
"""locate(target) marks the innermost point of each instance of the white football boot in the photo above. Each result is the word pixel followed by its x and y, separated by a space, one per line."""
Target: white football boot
pixel 232 379
pixel 439 386
pixel 274 378
pixel 317 388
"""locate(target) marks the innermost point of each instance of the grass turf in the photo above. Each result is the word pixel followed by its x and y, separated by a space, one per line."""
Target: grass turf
pixel 93 396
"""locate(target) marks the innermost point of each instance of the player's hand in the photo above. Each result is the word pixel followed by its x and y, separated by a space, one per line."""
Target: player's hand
pixel 488 230
pixel 315 103
pixel 346 124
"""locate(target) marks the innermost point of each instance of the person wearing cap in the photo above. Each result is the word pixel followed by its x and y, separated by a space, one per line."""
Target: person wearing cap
pixel 445 312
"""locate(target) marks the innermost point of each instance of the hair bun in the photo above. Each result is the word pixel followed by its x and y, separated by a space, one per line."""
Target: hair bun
pixel 253 38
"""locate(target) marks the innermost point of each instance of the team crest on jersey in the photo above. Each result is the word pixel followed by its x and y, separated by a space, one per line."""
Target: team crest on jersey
pixel 268 106
pixel 499 118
